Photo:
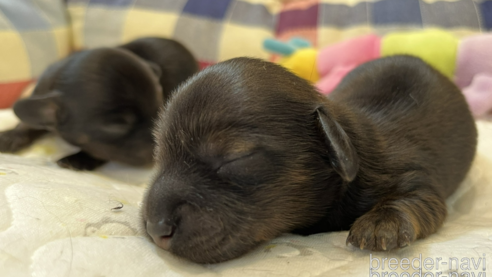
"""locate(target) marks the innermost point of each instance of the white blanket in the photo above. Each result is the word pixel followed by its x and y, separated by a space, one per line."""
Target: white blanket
pixel 57 222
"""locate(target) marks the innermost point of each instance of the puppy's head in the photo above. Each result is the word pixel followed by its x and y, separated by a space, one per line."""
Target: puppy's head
pixel 245 151
pixel 102 100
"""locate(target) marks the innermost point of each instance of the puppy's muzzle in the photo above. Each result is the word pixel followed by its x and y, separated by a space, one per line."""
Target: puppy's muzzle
pixel 161 232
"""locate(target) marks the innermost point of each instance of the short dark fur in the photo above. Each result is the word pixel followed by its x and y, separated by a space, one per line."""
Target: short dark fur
pixel 103 100
pixel 247 151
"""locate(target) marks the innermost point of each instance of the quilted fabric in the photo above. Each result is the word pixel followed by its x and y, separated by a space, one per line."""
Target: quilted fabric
pixel 56 222
pixel 33 34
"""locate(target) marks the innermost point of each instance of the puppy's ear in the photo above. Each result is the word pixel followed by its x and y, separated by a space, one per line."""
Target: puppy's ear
pixel 344 158
pixel 155 68
pixel 38 111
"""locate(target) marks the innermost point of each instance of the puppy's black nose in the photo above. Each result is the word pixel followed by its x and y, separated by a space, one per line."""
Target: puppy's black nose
pixel 161 232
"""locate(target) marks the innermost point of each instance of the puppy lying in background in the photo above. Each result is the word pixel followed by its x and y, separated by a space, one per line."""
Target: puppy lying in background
pixel 247 151
pixel 104 101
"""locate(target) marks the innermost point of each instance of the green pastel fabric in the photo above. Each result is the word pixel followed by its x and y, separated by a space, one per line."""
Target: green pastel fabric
pixel 436 47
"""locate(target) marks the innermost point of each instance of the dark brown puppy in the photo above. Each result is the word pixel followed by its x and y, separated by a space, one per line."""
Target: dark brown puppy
pixel 103 100
pixel 247 151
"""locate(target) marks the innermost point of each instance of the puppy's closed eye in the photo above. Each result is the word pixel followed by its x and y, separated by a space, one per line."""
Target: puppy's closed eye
pixel 235 158
pixel 245 169
pixel 117 125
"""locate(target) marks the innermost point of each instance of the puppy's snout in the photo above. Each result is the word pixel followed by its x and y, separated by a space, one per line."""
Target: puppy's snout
pixel 161 232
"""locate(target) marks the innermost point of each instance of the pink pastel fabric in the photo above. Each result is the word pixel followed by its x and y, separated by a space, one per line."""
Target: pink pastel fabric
pixel 474 57
pixel 335 61
pixel 328 83
pixel 479 95
pixel 474 72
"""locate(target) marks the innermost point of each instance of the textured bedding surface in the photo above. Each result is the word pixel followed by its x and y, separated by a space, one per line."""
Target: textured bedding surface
pixel 56 222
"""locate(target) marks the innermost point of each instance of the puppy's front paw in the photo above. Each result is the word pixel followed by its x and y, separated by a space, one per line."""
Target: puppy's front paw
pixel 12 141
pixel 80 161
pixel 382 229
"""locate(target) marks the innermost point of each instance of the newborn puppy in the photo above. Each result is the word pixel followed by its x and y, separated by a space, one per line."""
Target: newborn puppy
pixel 104 101
pixel 246 151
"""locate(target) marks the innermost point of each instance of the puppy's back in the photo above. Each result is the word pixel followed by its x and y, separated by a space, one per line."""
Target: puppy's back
pixel 421 115
pixel 175 60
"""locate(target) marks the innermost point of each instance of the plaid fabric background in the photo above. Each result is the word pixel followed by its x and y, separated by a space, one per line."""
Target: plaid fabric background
pixel 216 30
pixel 33 34
pixel 213 30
